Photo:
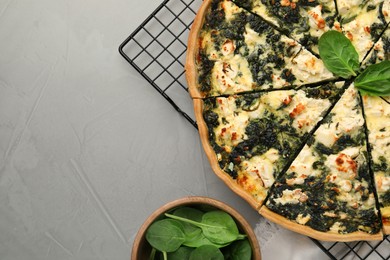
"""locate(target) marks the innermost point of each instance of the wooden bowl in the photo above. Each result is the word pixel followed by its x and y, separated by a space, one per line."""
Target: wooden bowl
pixel 141 248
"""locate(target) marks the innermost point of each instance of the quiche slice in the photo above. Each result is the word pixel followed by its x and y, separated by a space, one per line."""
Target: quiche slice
pixel 327 192
pixel 363 22
pixel 233 51
pixel 250 138
pixel 303 20
pixel 377 114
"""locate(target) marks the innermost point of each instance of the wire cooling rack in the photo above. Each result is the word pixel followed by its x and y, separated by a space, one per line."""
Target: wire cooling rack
pixel 157 49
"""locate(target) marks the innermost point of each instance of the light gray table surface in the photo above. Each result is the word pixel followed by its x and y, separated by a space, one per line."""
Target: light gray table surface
pixel 88 149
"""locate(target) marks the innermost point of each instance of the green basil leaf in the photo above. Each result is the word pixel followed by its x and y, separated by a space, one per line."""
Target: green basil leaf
pixel 165 235
pixel 338 54
pixel 206 252
pixel 375 79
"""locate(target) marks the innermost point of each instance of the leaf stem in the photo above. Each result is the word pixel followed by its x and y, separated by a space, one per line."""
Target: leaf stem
pixel 152 254
pixel 198 224
pixel 241 236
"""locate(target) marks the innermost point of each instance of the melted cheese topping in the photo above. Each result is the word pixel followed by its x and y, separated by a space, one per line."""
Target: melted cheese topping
pixel 206 44
pixel 386 10
pixel 359 30
pixel 231 130
pixel 262 166
pixel 378 54
pixel 343 172
pixel 317 18
pixel 337 227
pixel 253 40
pixel 257 174
pixel 349 8
pixel 303 167
pixel 292 197
pixel 306 112
pixel 260 9
pixel 303 219
pixel 230 76
pixel 346 119
pixel 230 9
pixel 307 68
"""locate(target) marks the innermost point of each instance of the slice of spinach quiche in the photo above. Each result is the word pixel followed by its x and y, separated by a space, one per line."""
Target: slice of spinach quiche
pixel 377 113
pixel 238 52
pixel 305 21
pixel 297 143
pixel 328 187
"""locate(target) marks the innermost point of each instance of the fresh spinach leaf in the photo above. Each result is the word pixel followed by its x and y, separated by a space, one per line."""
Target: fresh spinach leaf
pixel 338 54
pixel 191 231
pixel 375 79
pixel 180 254
pixel 241 236
pixel 190 213
pixel 165 235
pixel 187 230
pixel 218 226
pixel 152 254
pixel 201 240
pixel 239 250
pixel 206 252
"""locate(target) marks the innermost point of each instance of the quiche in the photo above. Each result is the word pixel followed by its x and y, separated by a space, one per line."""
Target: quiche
pixel 302 146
